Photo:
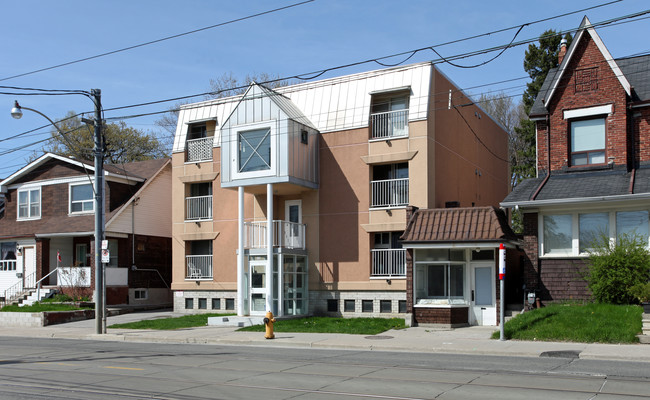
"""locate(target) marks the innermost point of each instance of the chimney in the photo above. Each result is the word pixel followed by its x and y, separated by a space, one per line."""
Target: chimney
pixel 562 52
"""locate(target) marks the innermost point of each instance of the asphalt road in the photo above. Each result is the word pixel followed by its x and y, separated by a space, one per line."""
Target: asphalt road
pixel 35 368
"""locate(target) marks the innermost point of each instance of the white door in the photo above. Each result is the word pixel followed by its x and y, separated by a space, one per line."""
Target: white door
pixel 483 299
pixel 293 234
pixel 258 290
pixel 29 265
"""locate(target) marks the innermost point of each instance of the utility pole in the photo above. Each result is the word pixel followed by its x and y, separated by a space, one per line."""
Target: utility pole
pixel 100 298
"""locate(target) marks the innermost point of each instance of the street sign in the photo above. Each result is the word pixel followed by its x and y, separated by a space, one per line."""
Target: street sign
pixel 106 256
pixel 104 244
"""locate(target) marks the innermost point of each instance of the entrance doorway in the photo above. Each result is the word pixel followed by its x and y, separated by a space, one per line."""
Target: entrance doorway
pixel 257 290
pixel 483 309
pixel 29 264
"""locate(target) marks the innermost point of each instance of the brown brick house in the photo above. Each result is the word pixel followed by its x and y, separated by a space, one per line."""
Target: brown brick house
pixel 593 163
pixel 48 222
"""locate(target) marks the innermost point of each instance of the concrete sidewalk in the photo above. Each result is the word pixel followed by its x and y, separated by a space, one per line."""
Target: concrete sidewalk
pixel 470 340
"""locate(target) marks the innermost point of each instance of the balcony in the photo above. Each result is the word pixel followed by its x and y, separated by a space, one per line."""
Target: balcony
pixel 200 149
pixel 198 267
pixel 286 234
pixel 389 193
pixel 198 208
pixel 390 124
pixel 388 263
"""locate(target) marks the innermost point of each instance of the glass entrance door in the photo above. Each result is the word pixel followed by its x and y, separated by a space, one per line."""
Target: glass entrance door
pixel 258 290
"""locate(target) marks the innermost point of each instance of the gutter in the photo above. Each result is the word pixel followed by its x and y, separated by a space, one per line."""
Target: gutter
pixel 623 197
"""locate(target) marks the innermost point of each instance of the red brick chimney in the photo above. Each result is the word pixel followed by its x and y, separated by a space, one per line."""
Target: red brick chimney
pixel 562 52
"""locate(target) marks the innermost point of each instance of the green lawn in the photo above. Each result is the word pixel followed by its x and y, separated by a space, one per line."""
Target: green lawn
pixel 40 307
pixel 590 323
pixel 186 321
pixel 357 326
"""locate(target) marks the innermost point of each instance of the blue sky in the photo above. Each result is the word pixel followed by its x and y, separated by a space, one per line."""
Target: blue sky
pixel 325 33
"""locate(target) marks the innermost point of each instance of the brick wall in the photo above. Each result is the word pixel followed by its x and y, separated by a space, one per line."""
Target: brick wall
pixel 562 280
pixel 531 248
pixel 605 89
pixel 443 316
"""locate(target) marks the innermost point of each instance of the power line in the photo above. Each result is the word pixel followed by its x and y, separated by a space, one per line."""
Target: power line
pixel 158 40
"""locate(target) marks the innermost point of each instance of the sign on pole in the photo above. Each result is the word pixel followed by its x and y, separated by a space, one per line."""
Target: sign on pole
pixel 106 256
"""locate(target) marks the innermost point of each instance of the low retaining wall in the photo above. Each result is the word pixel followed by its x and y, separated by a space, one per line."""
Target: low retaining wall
pixel 33 320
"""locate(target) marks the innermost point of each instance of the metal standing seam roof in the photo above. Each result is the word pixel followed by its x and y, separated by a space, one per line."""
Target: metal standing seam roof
pixel 469 224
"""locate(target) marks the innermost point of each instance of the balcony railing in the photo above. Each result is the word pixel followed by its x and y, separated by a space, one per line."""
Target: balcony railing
pixel 286 234
pixel 199 267
pixel 7 265
pixel 389 193
pixel 390 124
pixel 198 207
pixel 199 149
pixel 388 263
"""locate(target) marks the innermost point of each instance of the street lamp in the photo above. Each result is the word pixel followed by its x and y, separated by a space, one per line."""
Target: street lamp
pixel 100 294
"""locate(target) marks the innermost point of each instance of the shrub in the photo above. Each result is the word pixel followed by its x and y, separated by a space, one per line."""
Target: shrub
pixel 641 291
pixel 615 267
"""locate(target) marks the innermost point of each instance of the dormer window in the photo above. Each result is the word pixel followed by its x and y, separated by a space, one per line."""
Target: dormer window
pixel 81 198
pixel 29 204
pixel 255 150
pixel 587 141
pixel 197 131
pixel 389 115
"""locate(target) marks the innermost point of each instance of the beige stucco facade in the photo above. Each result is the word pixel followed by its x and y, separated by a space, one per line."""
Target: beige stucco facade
pixel 446 160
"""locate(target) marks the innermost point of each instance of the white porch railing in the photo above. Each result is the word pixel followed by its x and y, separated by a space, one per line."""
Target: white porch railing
pixel 18 288
pixel 7 265
pixel 390 124
pixel 198 207
pixel 199 149
pixel 387 263
pixel 199 267
pixel 389 193
pixel 290 235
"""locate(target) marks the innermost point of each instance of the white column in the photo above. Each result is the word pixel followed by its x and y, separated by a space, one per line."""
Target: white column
pixel 241 290
pixel 269 248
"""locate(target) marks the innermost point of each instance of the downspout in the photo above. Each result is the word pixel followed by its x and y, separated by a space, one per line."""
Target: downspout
pixel 548 157
pixel 632 158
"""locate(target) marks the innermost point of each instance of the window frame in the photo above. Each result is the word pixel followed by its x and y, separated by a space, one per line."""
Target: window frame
pixel 29 204
pixel 571 153
pixel 574 251
pixel 234 152
pixel 91 200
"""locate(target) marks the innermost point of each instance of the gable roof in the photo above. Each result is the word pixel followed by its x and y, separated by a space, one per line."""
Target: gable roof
pixel 585 26
pixel 134 172
pixel 631 72
pixel 470 224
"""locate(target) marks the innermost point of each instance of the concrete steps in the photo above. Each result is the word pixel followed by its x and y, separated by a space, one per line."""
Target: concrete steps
pixel 645 337
pixel 34 296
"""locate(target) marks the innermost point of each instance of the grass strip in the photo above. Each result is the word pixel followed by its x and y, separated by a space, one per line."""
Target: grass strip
pixel 186 321
pixel 354 326
pixel 589 323
pixel 39 307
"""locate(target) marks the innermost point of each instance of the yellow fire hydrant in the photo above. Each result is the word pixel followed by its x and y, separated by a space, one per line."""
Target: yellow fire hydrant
pixel 268 321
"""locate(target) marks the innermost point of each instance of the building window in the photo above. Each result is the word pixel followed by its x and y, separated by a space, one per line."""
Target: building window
pixel 8 256
pixel 81 198
pixel 29 204
pixel 216 304
pixel 348 305
pixel 203 304
pixel 390 185
pixel 199 259
pixel 366 306
pixel 332 305
pixel 587 142
pixel 230 304
pixel 189 304
pixel 198 205
pixel 112 250
pixel 441 281
pixel 254 150
pixel 199 144
pixel 197 131
pixel 575 234
pixel 140 294
pixel 557 234
pixel 483 255
pixel 402 306
pixel 388 256
pixel 385 306
pixel 389 116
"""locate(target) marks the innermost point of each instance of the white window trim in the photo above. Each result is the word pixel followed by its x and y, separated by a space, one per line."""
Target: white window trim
pixel 575 230
pixel 588 112
pixel 92 199
pixel 234 150
pixel 29 208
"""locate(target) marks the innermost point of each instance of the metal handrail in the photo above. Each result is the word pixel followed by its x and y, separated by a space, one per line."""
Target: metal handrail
pixel 18 287
pixel 38 284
